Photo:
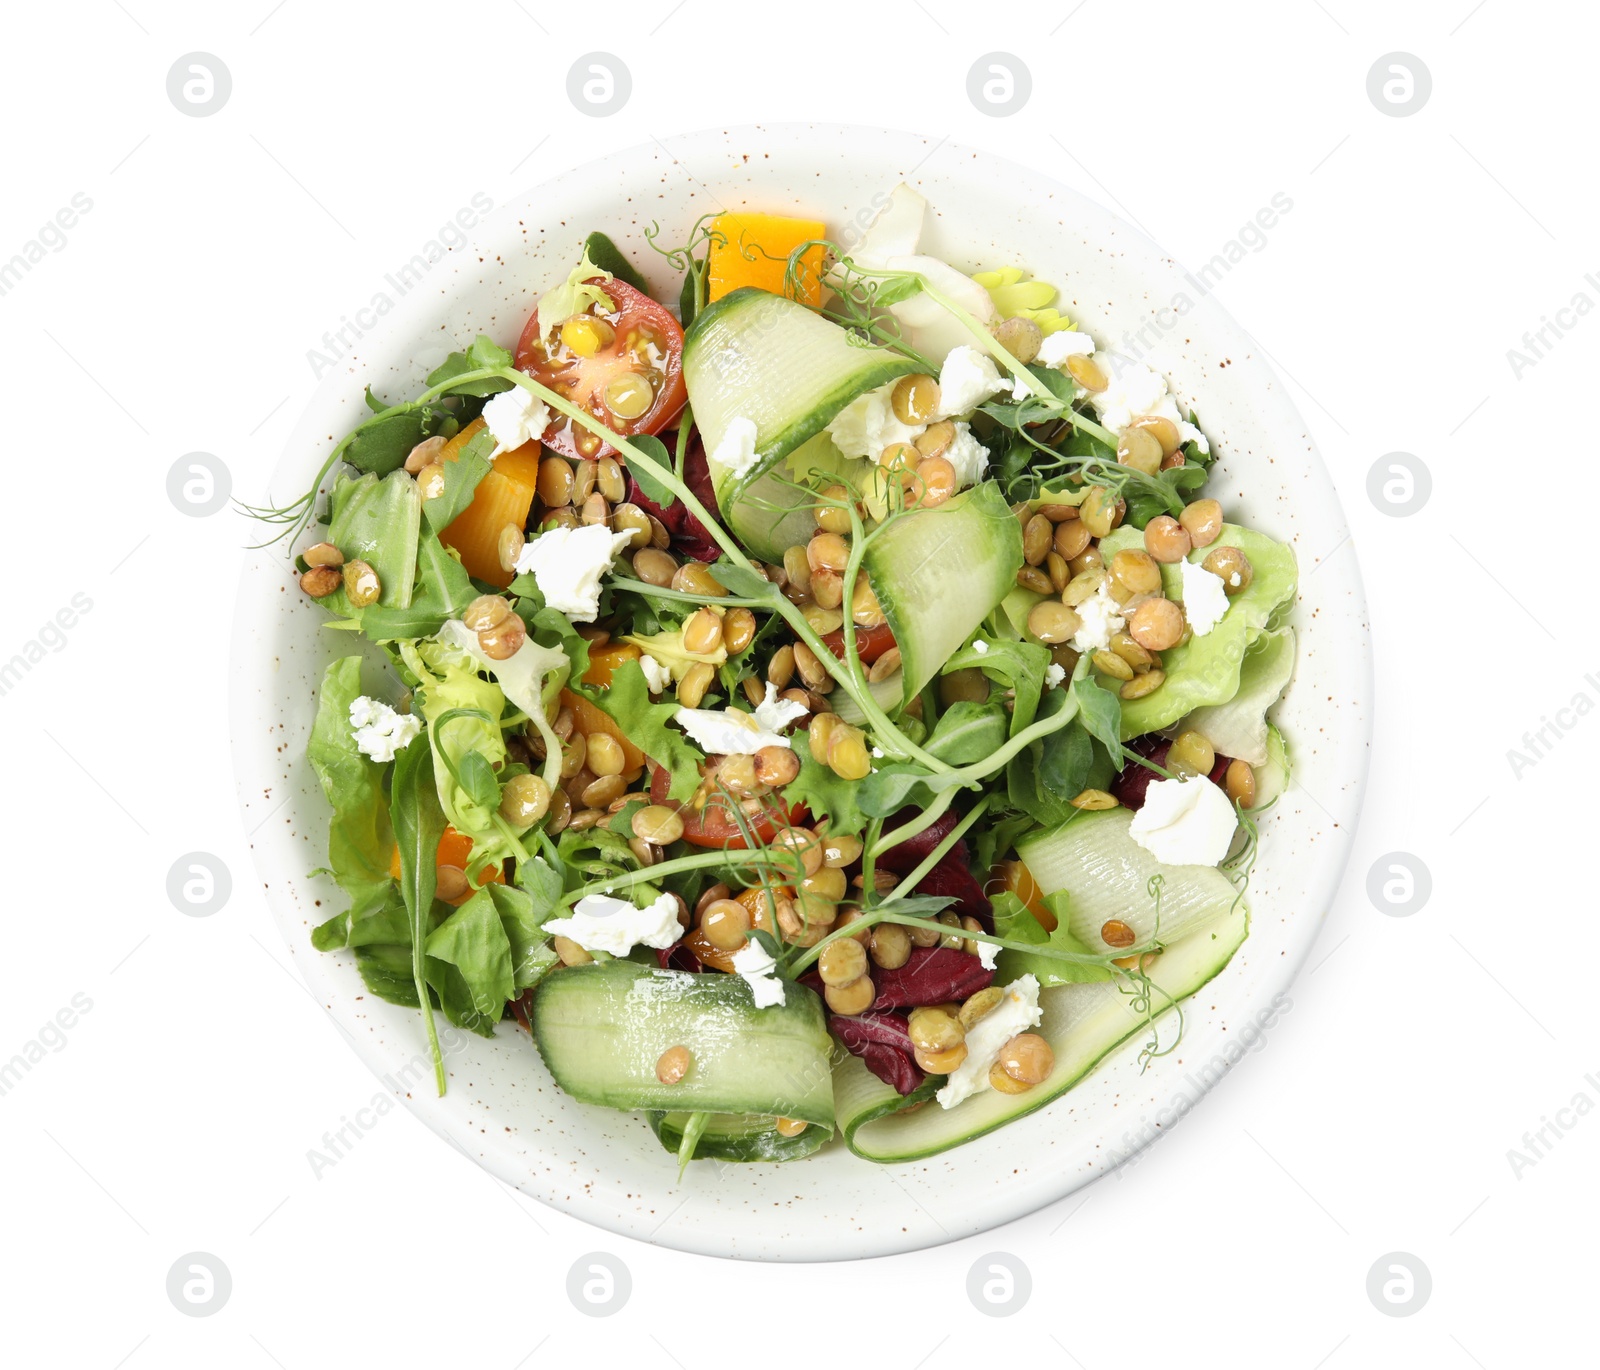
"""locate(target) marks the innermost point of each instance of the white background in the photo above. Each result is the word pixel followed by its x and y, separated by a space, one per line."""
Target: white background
pixel 176 1115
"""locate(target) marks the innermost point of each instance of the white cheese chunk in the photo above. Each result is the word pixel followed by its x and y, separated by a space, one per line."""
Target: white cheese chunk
pixel 735 451
pixel 1017 1012
pixel 732 732
pixel 1101 617
pixel 756 966
pixel 601 923
pixel 656 676
pixel 567 563
pixel 967 378
pixel 1185 822
pixel 1055 348
pixel 1205 598
pixel 865 426
pixel 969 456
pixel 514 418
pixel 1054 674
pixel 380 731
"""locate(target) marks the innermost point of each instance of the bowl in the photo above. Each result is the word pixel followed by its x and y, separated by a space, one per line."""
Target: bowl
pixel 605 1167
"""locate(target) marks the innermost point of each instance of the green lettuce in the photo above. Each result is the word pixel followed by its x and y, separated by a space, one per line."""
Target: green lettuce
pixel 1239 728
pixel 359 837
pixel 1205 670
pixel 575 295
pixel 463 712
pixel 378 521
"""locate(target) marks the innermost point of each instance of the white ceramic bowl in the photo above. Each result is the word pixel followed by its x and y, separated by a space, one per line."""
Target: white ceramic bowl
pixel 605 1167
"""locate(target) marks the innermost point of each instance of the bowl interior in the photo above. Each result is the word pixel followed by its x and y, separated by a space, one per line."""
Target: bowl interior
pixel 605 1167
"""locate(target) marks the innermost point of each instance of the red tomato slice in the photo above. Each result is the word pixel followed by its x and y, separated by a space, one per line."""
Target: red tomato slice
pixel 644 347
pixel 871 643
pixel 714 826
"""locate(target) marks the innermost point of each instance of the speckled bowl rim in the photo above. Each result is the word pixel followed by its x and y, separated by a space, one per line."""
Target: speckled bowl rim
pixel 604 1167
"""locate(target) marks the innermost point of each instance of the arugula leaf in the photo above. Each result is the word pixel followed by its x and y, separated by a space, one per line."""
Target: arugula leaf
pixel 1101 712
pixel 444 589
pixel 359 836
pixel 1021 665
pixel 382 444
pixel 418 825
pixel 542 885
pixel 991 842
pixel 627 701
pixel 469 964
pixel 461 478
pixel 381 920
pixel 968 732
pixel 484 352
pixel 741 581
pixel 606 255
pixel 649 483
pixel 386 971
pixel 823 792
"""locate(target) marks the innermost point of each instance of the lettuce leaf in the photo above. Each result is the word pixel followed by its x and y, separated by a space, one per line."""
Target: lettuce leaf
pixel 1205 670
pixel 378 521
pixel 1239 728
pixel 469 964
pixel 359 837
pixel 472 728
pixel 574 295
pixel 627 701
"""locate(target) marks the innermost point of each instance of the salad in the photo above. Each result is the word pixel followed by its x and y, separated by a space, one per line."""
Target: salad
pixel 825 704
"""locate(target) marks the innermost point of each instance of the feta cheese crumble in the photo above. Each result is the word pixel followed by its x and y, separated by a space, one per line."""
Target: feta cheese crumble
pixel 735 451
pixel 1185 822
pixel 514 418
pixel 967 378
pixel 1205 598
pixel 656 676
pixel 567 563
pixel 1017 1012
pixel 753 963
pixel 865 426
pixel 988 954
pixel 980 646
pixel 732 732
pixel 380 731
pixel 1101 617
pixel 969 456
pixel 1134 390
pixel 1055 348
pixel 601 923
pixel 1054 674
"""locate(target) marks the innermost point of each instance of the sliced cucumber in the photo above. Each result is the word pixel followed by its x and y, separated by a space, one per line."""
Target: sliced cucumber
pixel 1272 778
pixel 1082 1023
pixel 758 356
pixel 601 1028
pixel 738 1137
pixel 1107 876
pixel 938 573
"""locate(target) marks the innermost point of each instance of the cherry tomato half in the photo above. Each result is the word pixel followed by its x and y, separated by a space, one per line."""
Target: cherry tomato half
pixel 871 643
pixel 714 825
pixel 625 366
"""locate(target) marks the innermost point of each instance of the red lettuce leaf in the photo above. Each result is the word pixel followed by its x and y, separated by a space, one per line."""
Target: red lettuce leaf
pixel 1133 779
pixel 883 1043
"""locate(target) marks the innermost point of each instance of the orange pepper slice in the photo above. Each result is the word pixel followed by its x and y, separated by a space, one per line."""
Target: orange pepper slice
pixel 753 250
pixel 504 496
pixel 455 849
